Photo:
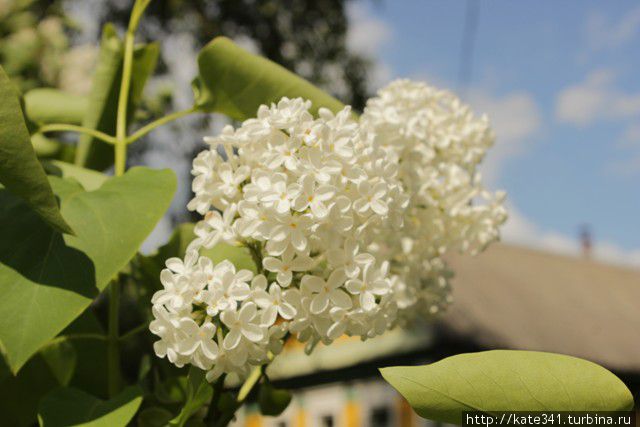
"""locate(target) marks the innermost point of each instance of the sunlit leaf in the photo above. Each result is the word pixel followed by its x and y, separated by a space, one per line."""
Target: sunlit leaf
pixel 48 105
pixel 20 171
pixel 502 380
pixel 47 279
pixel 235 82
pixel 90 179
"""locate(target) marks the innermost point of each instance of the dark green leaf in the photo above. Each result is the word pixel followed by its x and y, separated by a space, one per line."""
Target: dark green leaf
pixel 66 407
pixel 199 392
pixel 273 401
pixel 47 105
pixel 61 357
pixel 502 380
pixel 19 395
pixel 235 82
pixel 154 417
pixel 20 171
pixel 47 279
pixel 91 374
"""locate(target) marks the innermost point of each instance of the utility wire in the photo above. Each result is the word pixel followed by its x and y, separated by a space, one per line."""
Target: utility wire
pixel 469 34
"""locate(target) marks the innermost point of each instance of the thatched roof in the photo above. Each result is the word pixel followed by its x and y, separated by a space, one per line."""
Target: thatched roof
pixel 512 297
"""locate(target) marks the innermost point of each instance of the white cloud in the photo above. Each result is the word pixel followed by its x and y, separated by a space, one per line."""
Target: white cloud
pixel 516 119
pixel 603 33
pixel 521 230
pixel 368 35
pixel 595 99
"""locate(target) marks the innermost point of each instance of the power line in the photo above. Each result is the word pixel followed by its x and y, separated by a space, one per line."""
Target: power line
pixel 469 34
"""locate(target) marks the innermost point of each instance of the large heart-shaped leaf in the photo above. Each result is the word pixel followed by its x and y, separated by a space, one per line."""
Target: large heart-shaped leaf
pixel 47 279
pixel 105 89
pixel 90 179
pixel 66 407
pixel 20 170
pixel 508 380
pixel 235 82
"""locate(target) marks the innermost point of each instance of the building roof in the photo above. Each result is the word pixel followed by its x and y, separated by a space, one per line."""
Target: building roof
pixel 519 298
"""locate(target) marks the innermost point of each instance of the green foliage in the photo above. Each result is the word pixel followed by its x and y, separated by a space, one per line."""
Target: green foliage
pixel 47 105
pixel 19 395
pixel 199 392
pixel 61 357
pixel 61 275
pixel 507 380
pixel 154 417
pixel 103 100
pixel 66 407
pixel 273 401
pixel 90 179
pixel 20 171
pixel 235 82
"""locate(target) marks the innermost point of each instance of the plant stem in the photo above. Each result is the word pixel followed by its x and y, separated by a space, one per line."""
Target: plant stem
pixel 256 255
pixel 61 127
pixel 247 387
pixel 125 85
pixel 62 338
pixel 212 412
pixel 113 350
pixel 134 331
pixel 161 121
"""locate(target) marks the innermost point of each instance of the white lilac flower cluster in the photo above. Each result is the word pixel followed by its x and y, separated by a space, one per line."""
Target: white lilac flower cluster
pixel 437 143
pixel 347 220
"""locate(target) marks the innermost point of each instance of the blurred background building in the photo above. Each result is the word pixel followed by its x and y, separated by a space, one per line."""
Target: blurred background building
pixel 509 297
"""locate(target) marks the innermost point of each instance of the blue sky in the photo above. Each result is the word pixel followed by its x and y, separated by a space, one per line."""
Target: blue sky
pixel 560 82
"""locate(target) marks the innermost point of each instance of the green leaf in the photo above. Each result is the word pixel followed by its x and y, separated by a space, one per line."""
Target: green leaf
pixel 103 100
pixel 20 171
pixel 500 380
pixel 273 401
pixel 19 395
pixel 66 407
pixel 61 357
pixel 47 279
pixel 235 82
pixel 199 392
pixel 47 105
pixel 90 374
pixel 90 179
pixel 154 417
pixel 44 146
